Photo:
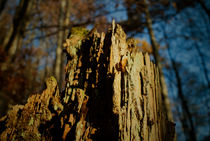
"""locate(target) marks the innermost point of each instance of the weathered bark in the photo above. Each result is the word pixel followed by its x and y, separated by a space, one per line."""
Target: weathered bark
pixel 27 122
pixel 164 91
pixel 112 92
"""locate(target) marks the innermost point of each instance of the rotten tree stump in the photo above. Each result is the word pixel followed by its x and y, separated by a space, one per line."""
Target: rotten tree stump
pixel 112 92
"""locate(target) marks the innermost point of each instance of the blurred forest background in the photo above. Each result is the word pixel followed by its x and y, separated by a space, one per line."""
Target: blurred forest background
pixel 176 34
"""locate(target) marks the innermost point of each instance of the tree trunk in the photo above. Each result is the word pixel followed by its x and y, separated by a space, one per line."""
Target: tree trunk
pixel 60 40
pixel 15 33
pixel 66 24
pixel 112 92
pixel 20 20
pixel 164 91
pixel 63 22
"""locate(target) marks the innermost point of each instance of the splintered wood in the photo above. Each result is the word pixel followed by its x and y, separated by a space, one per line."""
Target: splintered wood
pixel 112 92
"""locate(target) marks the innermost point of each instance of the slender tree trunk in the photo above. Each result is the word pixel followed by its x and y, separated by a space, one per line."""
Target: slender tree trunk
pixel 187 116
pixel 112 92
pixel 15 33
pixel 156 55
pixel 60 40
pixel 19 23
pixel 64 20
pixel 66 24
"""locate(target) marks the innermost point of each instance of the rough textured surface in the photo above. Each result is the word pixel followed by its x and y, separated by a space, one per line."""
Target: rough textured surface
pixel 26 122
pixel 112 92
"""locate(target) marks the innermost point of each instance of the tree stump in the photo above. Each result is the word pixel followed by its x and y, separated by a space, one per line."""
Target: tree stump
pixel 112 92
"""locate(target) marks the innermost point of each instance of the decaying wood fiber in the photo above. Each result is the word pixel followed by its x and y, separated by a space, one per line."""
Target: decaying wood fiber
pixel 112 92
